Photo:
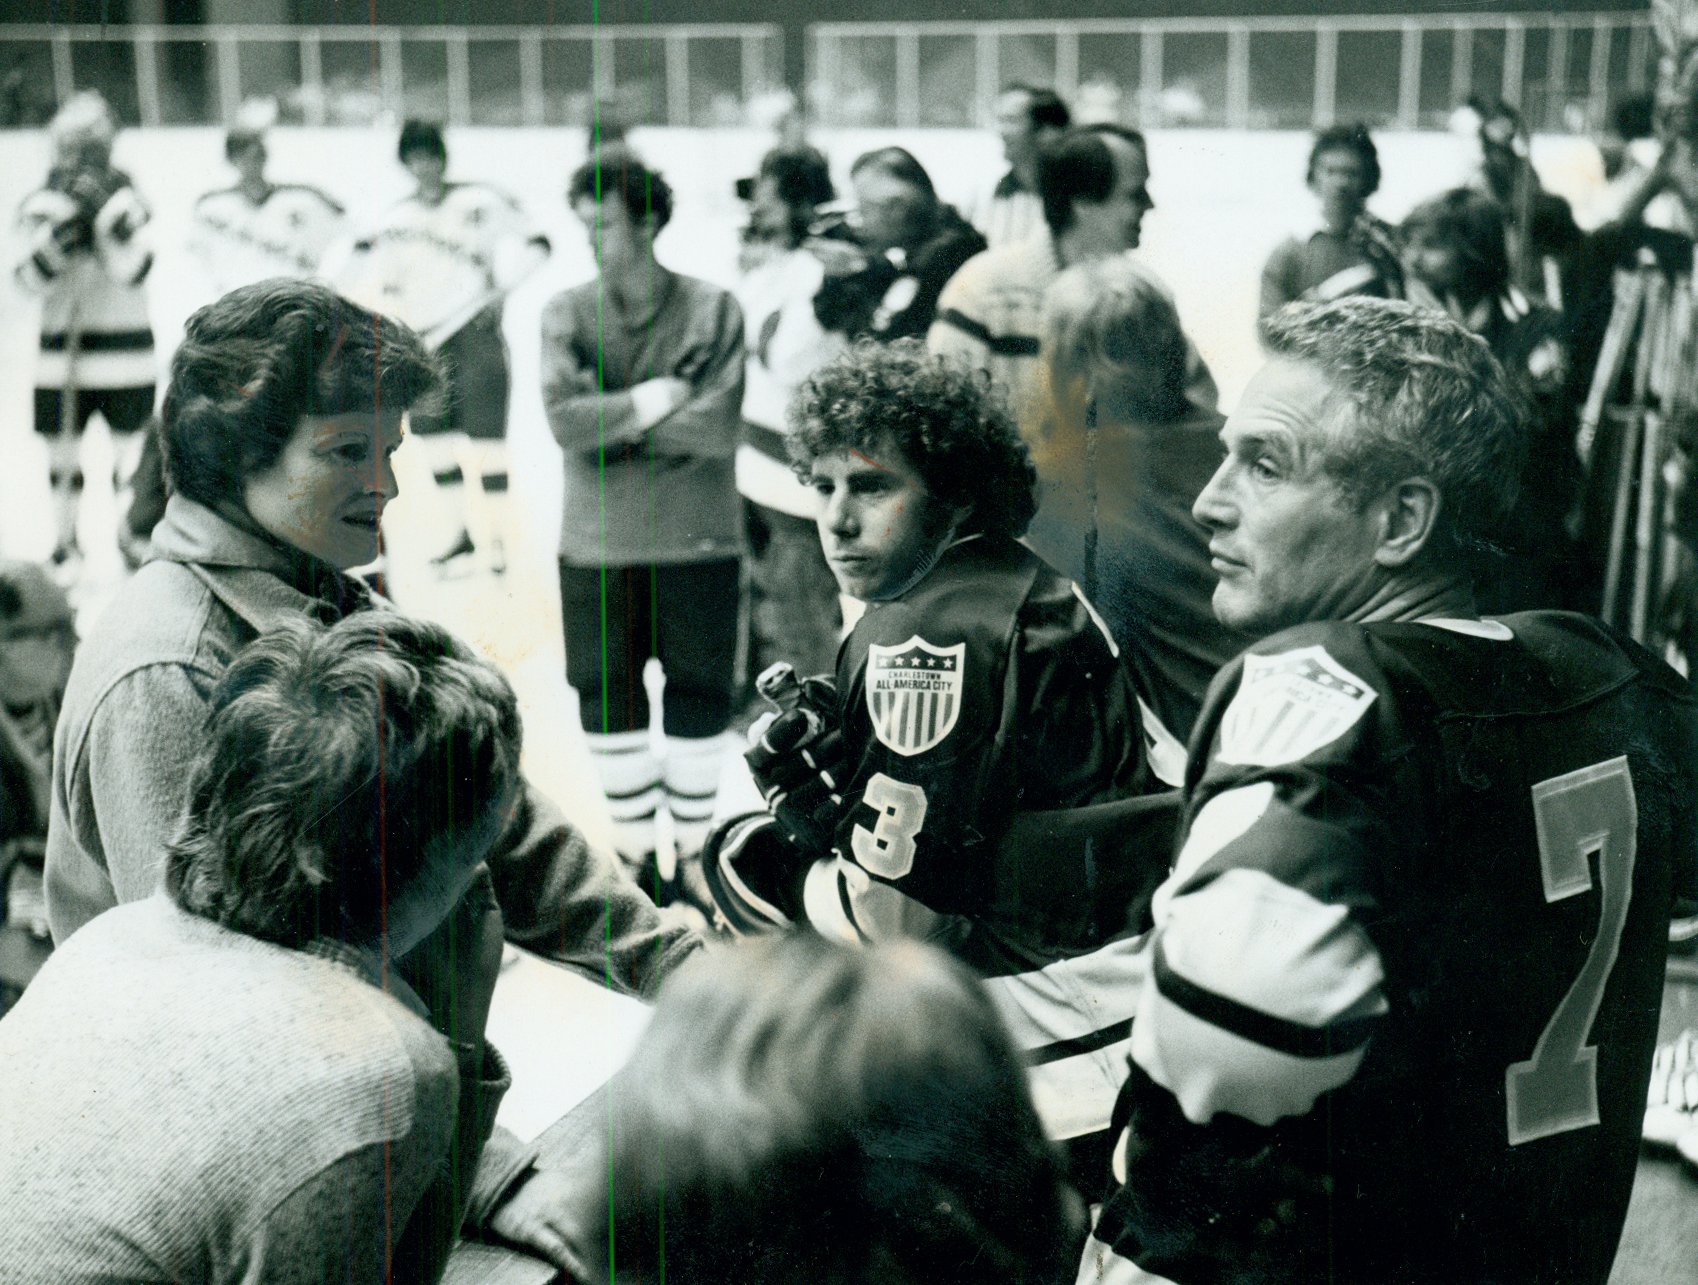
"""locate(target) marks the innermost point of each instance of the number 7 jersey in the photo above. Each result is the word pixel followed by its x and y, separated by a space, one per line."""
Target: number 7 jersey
pixel 1407 969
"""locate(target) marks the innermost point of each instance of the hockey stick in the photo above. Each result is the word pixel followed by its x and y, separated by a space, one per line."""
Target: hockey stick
pixel 64 492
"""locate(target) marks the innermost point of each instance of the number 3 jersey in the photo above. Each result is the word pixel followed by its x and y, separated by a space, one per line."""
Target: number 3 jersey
pixel 986 719
pixel 1406 972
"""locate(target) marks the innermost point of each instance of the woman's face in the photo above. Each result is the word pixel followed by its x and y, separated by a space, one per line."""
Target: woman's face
pixel 324 495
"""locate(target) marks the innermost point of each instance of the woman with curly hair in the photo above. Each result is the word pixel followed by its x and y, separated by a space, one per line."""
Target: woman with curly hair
pixel 966 779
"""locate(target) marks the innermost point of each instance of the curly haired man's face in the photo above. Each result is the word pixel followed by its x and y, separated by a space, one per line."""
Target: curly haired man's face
pixel 881 529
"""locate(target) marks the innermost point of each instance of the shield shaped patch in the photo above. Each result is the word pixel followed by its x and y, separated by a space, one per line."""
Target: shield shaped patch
pixel 1290 705
pixel 914 693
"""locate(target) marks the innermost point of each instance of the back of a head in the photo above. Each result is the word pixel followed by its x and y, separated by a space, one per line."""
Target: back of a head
pixel 338 764
pixel 1110 329
pixel 1045 109
pixel 1078 166
pixel 900 164
pixel 1421 396
pixel 257 360
pixel 953 426
pixel 800 1111
pixel 800 175
pixel 1473 224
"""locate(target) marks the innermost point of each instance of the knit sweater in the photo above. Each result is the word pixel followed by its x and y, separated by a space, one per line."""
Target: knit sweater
pixel 185 1103
pixel 641 492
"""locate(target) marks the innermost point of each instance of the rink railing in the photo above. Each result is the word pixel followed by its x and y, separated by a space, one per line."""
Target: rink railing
pixel 660 74
pixel 1562 70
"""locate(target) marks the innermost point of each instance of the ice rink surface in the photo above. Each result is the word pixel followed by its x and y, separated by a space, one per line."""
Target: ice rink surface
pixel 1223 200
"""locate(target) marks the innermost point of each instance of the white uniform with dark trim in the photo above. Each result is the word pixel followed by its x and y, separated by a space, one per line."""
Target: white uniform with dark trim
pixel 1405 975
pixel 235 241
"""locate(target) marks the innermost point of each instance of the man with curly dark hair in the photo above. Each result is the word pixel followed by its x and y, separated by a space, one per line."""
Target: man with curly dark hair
pixel 973 775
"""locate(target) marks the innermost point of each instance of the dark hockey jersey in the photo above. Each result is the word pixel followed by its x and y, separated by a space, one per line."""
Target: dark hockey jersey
pixel 1406 972
pixel 993 758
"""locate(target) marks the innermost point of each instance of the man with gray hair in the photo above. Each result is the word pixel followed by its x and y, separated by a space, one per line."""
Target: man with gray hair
pixel 1405 973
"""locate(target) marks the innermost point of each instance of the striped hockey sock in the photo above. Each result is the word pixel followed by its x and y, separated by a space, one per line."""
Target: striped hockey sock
pixel 692 786
pixel 630 778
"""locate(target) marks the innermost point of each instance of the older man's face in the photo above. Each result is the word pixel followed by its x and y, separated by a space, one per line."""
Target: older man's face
pixel 1288 545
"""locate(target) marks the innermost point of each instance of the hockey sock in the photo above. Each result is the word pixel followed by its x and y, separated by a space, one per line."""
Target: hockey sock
pixel 630 778
pixel 693 766
pixel 484 465
pixel 441 453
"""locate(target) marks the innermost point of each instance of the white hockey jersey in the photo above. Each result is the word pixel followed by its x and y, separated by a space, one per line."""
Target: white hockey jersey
pixel 236 241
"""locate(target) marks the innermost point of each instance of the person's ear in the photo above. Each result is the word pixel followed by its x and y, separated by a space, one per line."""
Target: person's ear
pixel 1408 515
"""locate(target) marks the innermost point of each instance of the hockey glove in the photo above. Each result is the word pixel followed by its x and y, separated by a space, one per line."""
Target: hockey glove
pixel 753 874
pixel 796 758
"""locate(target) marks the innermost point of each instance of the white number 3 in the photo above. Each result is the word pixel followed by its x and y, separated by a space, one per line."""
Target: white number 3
pixel 1577 814
pixel 887 850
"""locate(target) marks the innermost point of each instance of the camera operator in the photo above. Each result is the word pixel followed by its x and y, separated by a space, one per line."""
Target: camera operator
pixel 85 253
pixel 886 266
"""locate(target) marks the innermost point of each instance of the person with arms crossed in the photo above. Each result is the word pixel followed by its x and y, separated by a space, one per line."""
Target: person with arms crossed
pixel 975 775
pixel 1405 975
pixel 642 381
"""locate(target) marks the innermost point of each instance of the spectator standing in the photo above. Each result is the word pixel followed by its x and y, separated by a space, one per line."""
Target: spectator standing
pixel 642 372
pixel 1028 119
pixel 1539 227
pixel 1094 182
pixel 1121 458
pixel 1326 1081
pixel 884 273
pixel 232 1080
pixel 1459 261
pixel 793 609
pixel 1343 249
pixel 442 261
pixel 86 254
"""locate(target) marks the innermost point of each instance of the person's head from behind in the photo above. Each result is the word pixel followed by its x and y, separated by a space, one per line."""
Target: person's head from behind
pixel 623 205
pixel 1094 184
pixel 1028 117
pixel 908 452
pixel 1344 171
pixel 791 184
pixel 82 131
pixel 38 634
pixel 802 1111
pixel 351 781
pixel 423 150
pixel 285 403
pixel 895 199
pixel 1112 347
pixel 1380 447
pixel 1455 246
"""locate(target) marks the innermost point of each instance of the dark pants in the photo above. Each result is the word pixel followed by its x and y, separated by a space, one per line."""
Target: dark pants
pixel 793 606
pixel 477 384
pixel 689 616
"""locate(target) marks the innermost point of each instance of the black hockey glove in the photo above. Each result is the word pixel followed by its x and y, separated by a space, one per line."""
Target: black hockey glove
pixel 796 759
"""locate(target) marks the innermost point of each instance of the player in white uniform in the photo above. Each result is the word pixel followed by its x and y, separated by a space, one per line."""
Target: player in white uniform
pixel 255 228
pixel 443 261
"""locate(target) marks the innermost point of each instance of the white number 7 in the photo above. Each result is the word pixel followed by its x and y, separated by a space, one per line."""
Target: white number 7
pixel 1577 814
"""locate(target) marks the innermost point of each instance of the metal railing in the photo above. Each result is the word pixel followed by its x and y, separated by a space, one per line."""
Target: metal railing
pixel 698 74
pixel 1561 70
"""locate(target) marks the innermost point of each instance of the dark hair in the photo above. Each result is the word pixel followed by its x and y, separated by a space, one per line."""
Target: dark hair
pixel 945 418
pixel 1110 326
pixel 803 1111
pixel 337 761
pixel 615 170
pixel 900 164
pixel 1079 166
pixel 421 136
pixel 1045 108
pixel 1425 398
pixel 1473 224
pixel 256 361
pixel 800 175
pixel 1348 138
pixel 1634 116
pixel 240 139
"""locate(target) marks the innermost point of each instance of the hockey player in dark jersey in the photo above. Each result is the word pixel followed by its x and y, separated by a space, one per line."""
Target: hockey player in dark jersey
pixel 1405 975
pixel 972 776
